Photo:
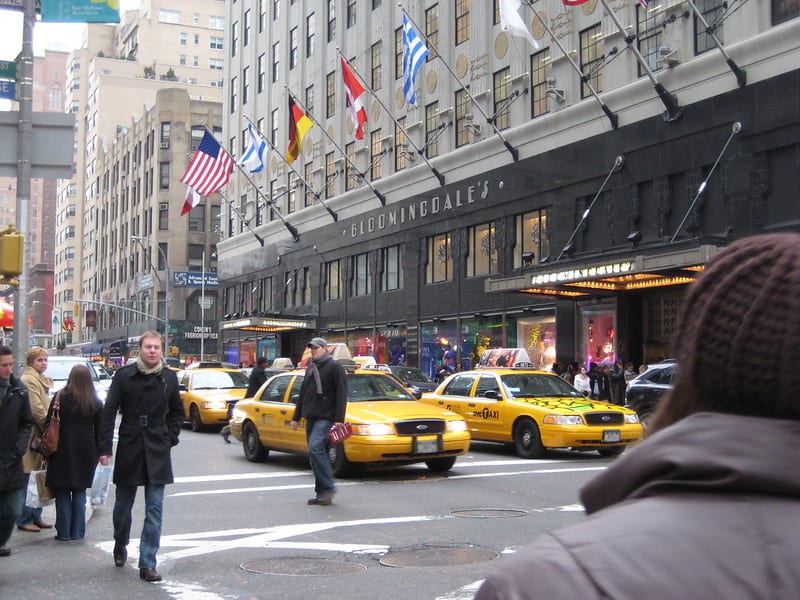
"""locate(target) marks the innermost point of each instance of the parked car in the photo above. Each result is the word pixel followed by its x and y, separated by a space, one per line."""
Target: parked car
pixel 390 427
pixel 206 394
pixel 645 391
pixel 58 368
pixel 412 377
pixel 535 410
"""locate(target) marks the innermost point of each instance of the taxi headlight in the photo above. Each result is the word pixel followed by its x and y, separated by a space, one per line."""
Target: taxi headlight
pixel 459 426
pixel 563 419
pixel 374 429
pixel 238 415
pixel 631 418
pixel 214 404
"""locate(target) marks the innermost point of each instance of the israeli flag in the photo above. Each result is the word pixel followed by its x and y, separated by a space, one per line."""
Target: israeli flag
pixel 255 155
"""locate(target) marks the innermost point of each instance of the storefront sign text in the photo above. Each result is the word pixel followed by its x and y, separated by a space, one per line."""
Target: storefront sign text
pixel 577 274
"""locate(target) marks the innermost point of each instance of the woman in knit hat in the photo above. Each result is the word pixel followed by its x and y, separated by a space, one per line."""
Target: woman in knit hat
pixel 708 506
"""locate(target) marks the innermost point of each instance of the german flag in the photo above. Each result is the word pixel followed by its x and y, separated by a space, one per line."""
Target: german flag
pixel 299 124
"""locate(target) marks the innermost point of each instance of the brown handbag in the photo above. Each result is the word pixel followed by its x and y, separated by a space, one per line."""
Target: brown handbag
pixel 52 429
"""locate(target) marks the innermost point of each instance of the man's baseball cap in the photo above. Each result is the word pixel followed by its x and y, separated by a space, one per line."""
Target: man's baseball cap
pixel 317 341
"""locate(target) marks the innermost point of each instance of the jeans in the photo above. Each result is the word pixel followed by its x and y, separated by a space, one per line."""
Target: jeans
pixel 317 440
pixel 11 502
pixel 29 514
pixel 70 513
pixel 151 531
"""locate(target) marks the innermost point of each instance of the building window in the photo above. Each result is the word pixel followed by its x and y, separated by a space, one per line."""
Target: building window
pixel 712 11
pixel 331 20
pixel 540 71
pixel 194 254
pixel 169 16
pixel 439 258
pixel 197 136
pixel 353 177
pixel 377 66
pixel 234 37
pixel 308 174
pixel 216 43
pixel 398 53
pixel 245 84
pixel 291 201
pixel 310 99
pixel 293 47
pixel 262 15
pixel 332 283
pixel 482 257
pixel 216 22
pixel 262 66
pixel 351 13
pixel 463 107
pixel 197 218
pixel 196 38
pixel 377 154
pixel 330 174
pixel 276 9
pixel 273 134
pixel 532 242
pixel 195 61
pixel 183 38
pixel 165 129
pixel 163 176
pixel 391 269
pixel 432 129
pixel 462 21
pixel 361 280
pixel 276 49
pixel 246 28
pixel 783 10
pixel 649 38
pixel 216 64
pixel 432 30
pixel 502 89
pixel 402 149
pixel 591 41
pixel 182 60
pixel 234 83
pixel 330 94
pixel 163 216
pixel 311 33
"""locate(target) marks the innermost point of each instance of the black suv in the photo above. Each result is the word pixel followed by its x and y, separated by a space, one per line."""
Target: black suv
pixel 646 390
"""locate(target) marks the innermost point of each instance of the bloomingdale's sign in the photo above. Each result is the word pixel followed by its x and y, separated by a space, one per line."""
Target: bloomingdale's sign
pixel 421 209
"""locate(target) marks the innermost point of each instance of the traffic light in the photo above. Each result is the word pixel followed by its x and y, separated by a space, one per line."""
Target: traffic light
pixel 12 245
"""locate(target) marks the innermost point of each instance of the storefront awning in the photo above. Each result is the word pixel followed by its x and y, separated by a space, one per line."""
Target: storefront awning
pixel 268 324
pixel 609 274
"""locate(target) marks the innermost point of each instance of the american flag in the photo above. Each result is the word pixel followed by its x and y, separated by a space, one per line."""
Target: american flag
pixel 210 167
pixel 414 53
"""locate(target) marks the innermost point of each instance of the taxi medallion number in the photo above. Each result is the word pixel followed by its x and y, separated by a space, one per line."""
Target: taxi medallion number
pixel 611 435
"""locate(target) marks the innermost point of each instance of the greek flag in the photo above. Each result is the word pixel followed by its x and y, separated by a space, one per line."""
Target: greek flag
pixel 255 155
pixel 414 53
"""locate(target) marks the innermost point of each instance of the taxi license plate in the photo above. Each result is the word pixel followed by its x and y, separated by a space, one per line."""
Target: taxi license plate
pixel 611 435
pixel 427 447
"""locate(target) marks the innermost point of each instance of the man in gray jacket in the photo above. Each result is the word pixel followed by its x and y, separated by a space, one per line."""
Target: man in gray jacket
pixel 708 506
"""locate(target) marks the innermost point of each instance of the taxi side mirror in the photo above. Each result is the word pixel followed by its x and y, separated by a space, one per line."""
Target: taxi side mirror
pixel 491 394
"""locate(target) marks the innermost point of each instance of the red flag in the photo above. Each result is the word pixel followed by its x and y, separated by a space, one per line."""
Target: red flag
pixel 299 124
pixel 355 100
pixel 192 200
pixel 210 167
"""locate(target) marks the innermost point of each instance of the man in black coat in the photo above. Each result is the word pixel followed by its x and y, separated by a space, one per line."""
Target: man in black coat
pixel 322 403
pixel 257 377
pixel 15 429
pixel 146 395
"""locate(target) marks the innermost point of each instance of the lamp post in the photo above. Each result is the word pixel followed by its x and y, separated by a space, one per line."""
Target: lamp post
pixel 141 240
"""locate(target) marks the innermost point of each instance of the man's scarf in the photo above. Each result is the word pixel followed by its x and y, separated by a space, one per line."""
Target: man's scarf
pixel 312 368
pixel 143 368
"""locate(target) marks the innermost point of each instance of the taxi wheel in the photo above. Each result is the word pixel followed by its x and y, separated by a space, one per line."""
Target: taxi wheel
pixel 440 465
pixel 341 466
pixel 527 441
pixel 194 418
pixel 253 450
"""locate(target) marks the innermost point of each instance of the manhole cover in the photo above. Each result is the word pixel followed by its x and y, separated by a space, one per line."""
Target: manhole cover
pixel 304 567
pixel 437 556
pixel 488 513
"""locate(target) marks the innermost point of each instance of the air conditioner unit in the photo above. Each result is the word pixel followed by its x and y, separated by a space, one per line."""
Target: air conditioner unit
pixel 163 206
pixel 164 144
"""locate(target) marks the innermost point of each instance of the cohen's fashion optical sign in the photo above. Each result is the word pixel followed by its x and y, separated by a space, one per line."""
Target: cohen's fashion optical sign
pixel 593 272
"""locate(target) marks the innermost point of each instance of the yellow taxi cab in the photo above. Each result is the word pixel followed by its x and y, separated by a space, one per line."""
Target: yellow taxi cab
pixel 535 410
pixel 390 427
pixel 207 394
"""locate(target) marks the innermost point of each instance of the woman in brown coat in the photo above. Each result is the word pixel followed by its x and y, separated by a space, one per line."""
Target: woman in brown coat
pixel 38 387
pixel 71 468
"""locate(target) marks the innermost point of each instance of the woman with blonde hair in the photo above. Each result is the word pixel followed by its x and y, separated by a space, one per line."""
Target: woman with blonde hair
pixel 71 468
pixel 38 385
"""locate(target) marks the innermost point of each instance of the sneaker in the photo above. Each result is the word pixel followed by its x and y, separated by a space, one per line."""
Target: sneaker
pixel 325 498
pixel 5 551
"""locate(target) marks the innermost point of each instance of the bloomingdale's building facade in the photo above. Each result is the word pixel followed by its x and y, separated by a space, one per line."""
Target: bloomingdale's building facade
pixel 580 250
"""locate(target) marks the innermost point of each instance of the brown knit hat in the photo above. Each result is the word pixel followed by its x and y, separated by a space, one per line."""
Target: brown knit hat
pixel 737 339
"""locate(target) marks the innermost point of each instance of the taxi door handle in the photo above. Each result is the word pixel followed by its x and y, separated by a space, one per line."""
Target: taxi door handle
pixel 472 405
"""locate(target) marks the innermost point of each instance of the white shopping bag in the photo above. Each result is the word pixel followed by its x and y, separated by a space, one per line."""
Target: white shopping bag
pixel 101 484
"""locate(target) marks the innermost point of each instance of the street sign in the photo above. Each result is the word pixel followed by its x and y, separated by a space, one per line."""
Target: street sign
pixel 8 90
pixel 8 69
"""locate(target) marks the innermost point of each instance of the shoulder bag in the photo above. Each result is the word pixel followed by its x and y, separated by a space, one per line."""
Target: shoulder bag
pixel 48 442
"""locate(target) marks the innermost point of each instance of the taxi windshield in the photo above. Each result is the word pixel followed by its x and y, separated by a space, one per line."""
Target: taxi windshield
pixel 533 385
pixel 219 380
pixel 374 388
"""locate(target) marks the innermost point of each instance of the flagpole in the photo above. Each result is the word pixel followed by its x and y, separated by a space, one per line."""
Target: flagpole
pixel 291 228
pixel 513 151
pixel 618 162
pixel 433 169
pixel 741 75
pixel 674 111
pixel 317 195
pixel 378 195
pixel 612 116
pixel 737 127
